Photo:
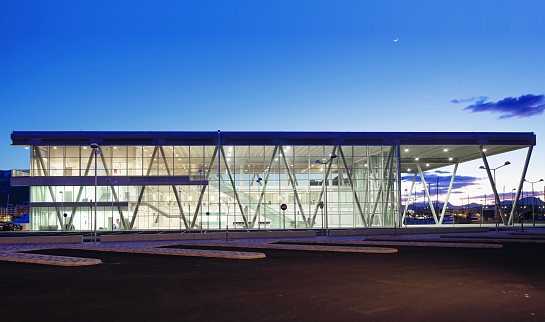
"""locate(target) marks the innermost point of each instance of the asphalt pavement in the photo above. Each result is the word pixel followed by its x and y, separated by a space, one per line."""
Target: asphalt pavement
pixel 415 283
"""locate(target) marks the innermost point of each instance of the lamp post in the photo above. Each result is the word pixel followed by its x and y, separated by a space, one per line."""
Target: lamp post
pixel 495 199
pixel 200 199
pixel 513 204
pixel 62 206
pixel 259 179
pixel 7 206
pixel 112 183
pixel 533 212
pixel 332 156
pixel 485 206
pixel 94 146
pixel 181 205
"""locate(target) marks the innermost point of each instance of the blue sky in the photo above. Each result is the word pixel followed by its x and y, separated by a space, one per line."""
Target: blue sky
pixel 276 66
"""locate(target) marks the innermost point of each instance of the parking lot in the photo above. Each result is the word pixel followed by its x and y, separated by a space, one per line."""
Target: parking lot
pixel 414 284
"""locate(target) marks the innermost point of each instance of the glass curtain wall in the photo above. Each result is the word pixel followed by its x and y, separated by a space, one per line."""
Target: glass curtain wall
pixel 233 187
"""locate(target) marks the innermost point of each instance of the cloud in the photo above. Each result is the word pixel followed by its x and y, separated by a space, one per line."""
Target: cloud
pixel 468 100
pixel 524 106
pixel 439 183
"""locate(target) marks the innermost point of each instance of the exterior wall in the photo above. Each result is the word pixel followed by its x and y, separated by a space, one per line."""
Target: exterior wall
pixel 195 187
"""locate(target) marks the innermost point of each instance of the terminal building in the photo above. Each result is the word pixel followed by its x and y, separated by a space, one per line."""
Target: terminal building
pixel 203 181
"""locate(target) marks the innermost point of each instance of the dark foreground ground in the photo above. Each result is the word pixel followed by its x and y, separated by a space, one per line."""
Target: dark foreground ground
pixel 415 284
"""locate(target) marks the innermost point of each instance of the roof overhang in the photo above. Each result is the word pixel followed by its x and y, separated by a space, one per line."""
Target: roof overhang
pixel 430 149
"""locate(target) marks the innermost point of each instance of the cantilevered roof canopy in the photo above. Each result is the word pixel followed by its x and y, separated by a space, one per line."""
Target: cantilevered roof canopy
pixel 433 149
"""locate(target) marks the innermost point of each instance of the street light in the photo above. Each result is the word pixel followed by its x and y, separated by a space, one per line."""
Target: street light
pixel 62 203
pixel 533 212
pixel 200 193
pixel 495 200
pixel 94 146
pixel 513 204
pixel 332 156
pixel 259 179
pixel 112 183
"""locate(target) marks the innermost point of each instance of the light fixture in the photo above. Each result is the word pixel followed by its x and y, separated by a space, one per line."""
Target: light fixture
pixel 445 149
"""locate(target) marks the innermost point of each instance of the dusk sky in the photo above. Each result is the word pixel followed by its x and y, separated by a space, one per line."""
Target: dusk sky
pixel 466 66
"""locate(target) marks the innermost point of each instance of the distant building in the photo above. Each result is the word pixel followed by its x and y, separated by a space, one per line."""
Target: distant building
pixel 239 180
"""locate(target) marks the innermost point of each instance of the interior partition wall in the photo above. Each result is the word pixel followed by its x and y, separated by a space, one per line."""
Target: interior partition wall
pixel 214 187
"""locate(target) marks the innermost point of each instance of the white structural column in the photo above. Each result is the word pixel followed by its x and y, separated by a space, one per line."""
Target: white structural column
pixel 430 203
pixel 521 182
pixel 322 191
pixel 379 193
pixel 263 189
pixel 81 188
pixel 352 186
pixel 46 173
pixel 493 184
pixel 293 183
pixel 448 193
pixel 234 188
pixel 408 199
pixel 398 187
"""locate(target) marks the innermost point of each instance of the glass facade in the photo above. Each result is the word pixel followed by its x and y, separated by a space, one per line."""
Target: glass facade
pixel 214 187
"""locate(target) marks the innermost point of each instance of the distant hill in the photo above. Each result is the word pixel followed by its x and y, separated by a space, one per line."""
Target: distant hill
pixel 17 195
pixel 507 203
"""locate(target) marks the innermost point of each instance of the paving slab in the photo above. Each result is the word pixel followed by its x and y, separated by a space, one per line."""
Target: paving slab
pixel 296 245
pixel 47 259
pixel 457 240
pixel 393 243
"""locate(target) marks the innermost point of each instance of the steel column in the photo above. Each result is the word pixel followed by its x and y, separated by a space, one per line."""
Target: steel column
pixel 521 182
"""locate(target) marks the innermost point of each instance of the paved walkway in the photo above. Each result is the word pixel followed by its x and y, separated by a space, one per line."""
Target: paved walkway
pixel 354 244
